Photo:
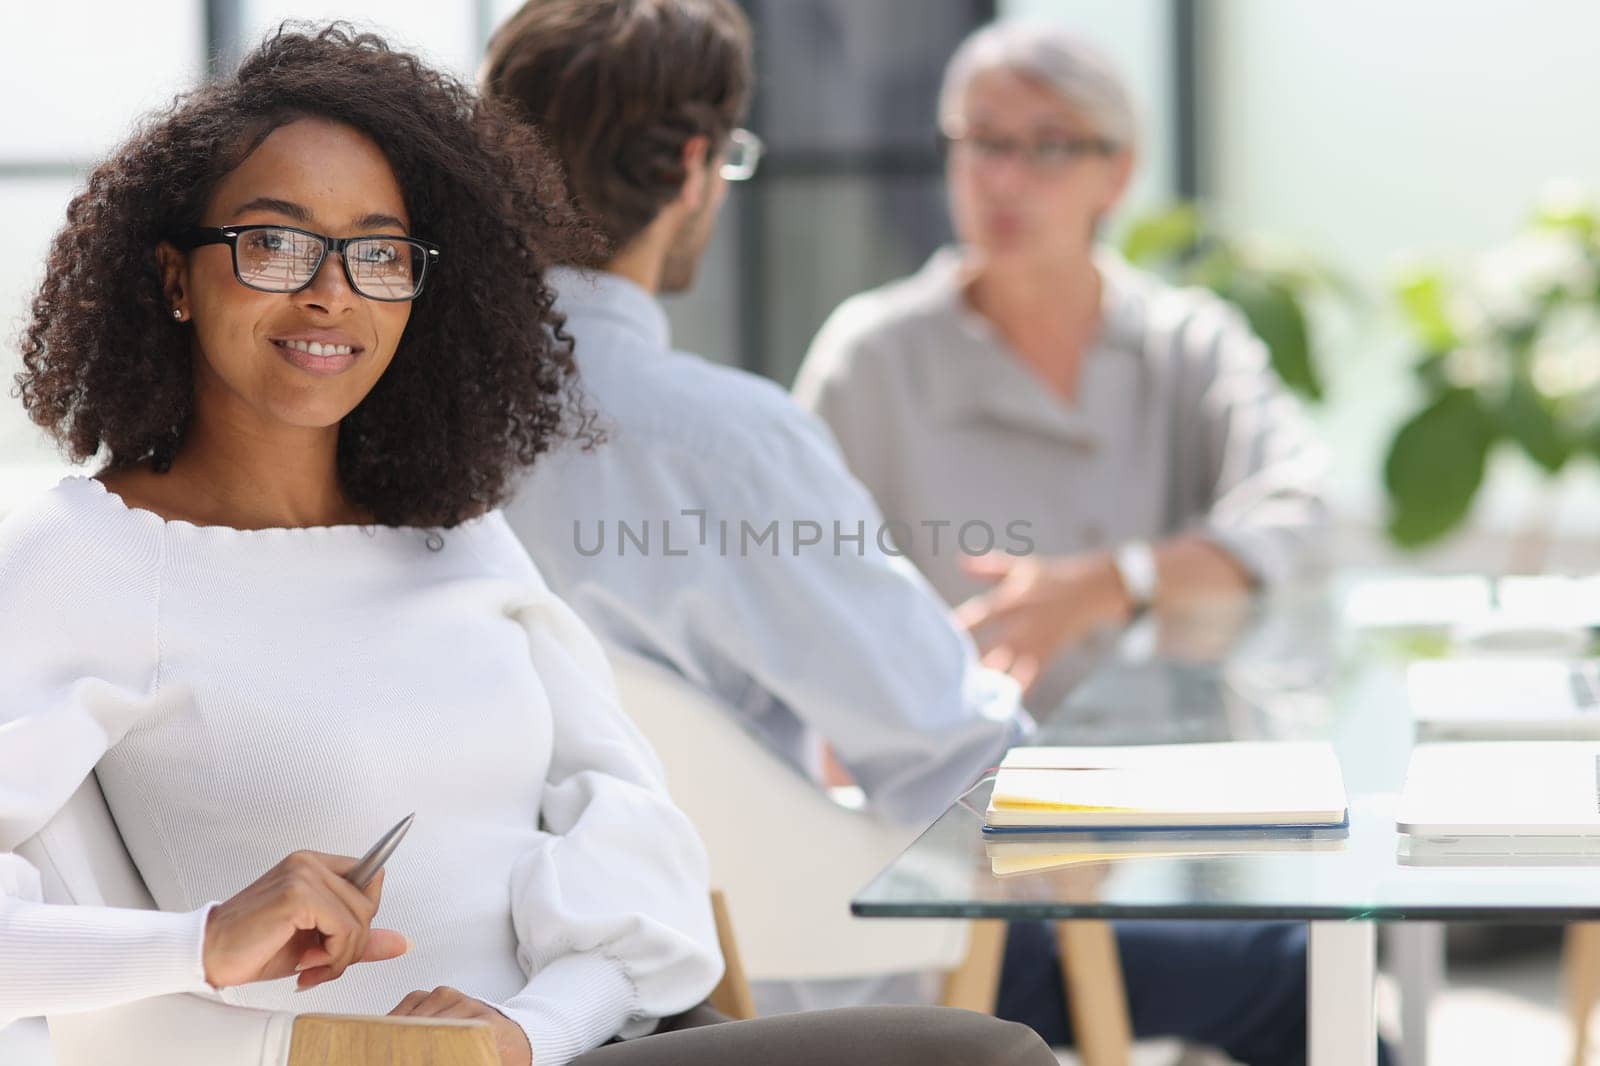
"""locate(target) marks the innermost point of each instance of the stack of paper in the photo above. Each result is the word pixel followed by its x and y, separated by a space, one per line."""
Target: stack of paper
pixel 1239 785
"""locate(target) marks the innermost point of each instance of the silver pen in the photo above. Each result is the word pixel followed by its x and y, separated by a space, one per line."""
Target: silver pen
pixel 362 873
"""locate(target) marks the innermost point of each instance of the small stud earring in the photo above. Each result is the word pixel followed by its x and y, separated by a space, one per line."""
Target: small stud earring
pixel 177 313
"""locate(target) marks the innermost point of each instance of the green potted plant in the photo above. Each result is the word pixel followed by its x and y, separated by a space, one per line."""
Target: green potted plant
pixel 1508 355
pixel 1271 286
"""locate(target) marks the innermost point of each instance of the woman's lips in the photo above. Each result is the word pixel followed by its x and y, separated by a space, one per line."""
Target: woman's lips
pixel 318 358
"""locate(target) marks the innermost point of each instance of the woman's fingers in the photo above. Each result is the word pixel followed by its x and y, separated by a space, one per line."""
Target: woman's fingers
pixel 408 1004
pixel 1025 669
pixel 301 917
pixel 343 864
pixel 385 944
pixel 442 1002
pixel 990 567
pixel 339 915
pixel 999 658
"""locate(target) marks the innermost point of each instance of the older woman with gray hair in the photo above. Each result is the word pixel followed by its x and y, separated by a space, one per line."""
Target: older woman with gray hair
pixel 1059 441
pixel 1089 440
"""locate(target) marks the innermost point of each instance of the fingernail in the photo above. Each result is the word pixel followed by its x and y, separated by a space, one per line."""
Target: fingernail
pixel 302 967
pixel 409 943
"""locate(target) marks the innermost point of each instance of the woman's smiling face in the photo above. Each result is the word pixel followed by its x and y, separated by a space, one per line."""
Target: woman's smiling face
pixel 307 358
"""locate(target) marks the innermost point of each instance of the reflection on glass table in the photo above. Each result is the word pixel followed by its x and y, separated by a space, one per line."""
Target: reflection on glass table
pixel 1292 668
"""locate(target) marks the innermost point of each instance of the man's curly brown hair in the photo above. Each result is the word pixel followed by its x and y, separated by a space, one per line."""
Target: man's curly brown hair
pixel 483 379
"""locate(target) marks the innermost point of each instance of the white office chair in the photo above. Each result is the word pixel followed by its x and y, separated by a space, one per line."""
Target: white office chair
pixel 82 860
pixel 785 855
pixel 789 859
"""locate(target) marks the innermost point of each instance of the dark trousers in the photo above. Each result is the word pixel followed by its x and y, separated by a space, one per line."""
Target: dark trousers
pixel 1236 986
pixel 853 1036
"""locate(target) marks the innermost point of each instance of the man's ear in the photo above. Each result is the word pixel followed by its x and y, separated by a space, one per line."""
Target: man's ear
pixel 174 267
pixel 697 172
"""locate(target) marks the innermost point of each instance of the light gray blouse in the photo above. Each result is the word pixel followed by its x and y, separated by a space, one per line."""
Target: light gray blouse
pixel 1179 425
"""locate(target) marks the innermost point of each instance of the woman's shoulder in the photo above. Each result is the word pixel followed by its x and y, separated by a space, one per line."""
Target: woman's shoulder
pixel 499 550
pixel 79 592
pixel 78 536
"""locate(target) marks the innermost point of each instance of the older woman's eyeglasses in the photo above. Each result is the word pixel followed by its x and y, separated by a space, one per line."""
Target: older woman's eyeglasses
pixel 741 155
pixel 1047 155
pixel 286 259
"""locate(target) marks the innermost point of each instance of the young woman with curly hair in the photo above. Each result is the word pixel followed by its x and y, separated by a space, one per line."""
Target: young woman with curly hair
pixel 301 321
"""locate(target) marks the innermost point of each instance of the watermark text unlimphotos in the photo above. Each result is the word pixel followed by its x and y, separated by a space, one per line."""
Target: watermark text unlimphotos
pixel 667 538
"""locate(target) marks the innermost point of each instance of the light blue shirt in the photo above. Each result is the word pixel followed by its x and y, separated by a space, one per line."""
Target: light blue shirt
pixel 717 529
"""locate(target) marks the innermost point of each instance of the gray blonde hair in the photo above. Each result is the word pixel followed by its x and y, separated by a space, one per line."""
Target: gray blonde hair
pixel 1062 61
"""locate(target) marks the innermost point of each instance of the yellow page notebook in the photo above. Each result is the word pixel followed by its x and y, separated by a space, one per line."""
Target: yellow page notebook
pixel 1235 785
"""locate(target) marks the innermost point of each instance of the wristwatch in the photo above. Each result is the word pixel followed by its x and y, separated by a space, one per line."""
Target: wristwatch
pixel 1135 564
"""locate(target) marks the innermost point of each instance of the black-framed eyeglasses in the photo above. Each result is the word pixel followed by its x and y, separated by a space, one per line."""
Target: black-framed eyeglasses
pixel 1047 155
pixel 271 258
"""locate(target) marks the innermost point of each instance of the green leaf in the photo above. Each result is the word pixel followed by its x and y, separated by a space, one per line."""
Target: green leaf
pixel 1422 298
pixel 1435 466
pixel 1162 236
pixel 1529 420
pixel 1565 211
pixel 1275 314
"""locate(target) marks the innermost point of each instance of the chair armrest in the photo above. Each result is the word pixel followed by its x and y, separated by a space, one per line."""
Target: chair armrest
pixel 365 1040
pixel 177 1030
pixel 186 1030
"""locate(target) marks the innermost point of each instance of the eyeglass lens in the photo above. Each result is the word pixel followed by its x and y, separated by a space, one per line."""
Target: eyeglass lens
pixel 283 260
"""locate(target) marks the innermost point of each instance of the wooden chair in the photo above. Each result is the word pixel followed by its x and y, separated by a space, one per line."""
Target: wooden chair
pixel 344 1040
pixel 789 859
pixel 1580 964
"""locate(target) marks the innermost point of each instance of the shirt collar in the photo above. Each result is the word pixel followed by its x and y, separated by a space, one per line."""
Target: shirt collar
pixel 599 294
pixel 985 381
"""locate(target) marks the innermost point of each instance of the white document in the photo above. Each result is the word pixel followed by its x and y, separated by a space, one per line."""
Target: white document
pixel 1418 602
pixel 1238 784
pixel 1482 793
pixel 1505 699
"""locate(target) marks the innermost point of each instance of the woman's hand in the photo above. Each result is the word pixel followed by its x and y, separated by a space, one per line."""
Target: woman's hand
pixel 509 1039
pixel 1039 608
pixel 300 916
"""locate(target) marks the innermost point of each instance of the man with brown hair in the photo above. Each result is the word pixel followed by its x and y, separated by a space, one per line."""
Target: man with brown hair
pixel 718 530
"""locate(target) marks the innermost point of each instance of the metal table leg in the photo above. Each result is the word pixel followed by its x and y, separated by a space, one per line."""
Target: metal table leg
pixel 1416 951
pixel 1342 963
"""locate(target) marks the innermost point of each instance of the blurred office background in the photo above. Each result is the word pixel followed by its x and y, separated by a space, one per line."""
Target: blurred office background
pixel 1352 140
pixel 1360 136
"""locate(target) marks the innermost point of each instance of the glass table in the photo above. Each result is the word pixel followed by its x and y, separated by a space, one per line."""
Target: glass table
pixel 1288 668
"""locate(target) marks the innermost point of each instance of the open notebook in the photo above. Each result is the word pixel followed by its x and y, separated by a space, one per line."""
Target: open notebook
pixel 1236 785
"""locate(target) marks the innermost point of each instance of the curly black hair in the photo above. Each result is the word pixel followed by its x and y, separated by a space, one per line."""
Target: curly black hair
pixel 483 380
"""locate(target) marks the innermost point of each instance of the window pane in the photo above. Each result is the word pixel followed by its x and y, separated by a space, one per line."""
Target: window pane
pixel 446 35
pixel 840 75
pixel 829 238
pixel 1136 35
pixel 75 75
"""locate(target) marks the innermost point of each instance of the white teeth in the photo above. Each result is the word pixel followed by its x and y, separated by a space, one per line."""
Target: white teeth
pixel 317 348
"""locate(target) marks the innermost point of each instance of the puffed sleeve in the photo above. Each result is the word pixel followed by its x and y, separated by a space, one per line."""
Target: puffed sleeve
pixel 77 670
pixel 612 909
